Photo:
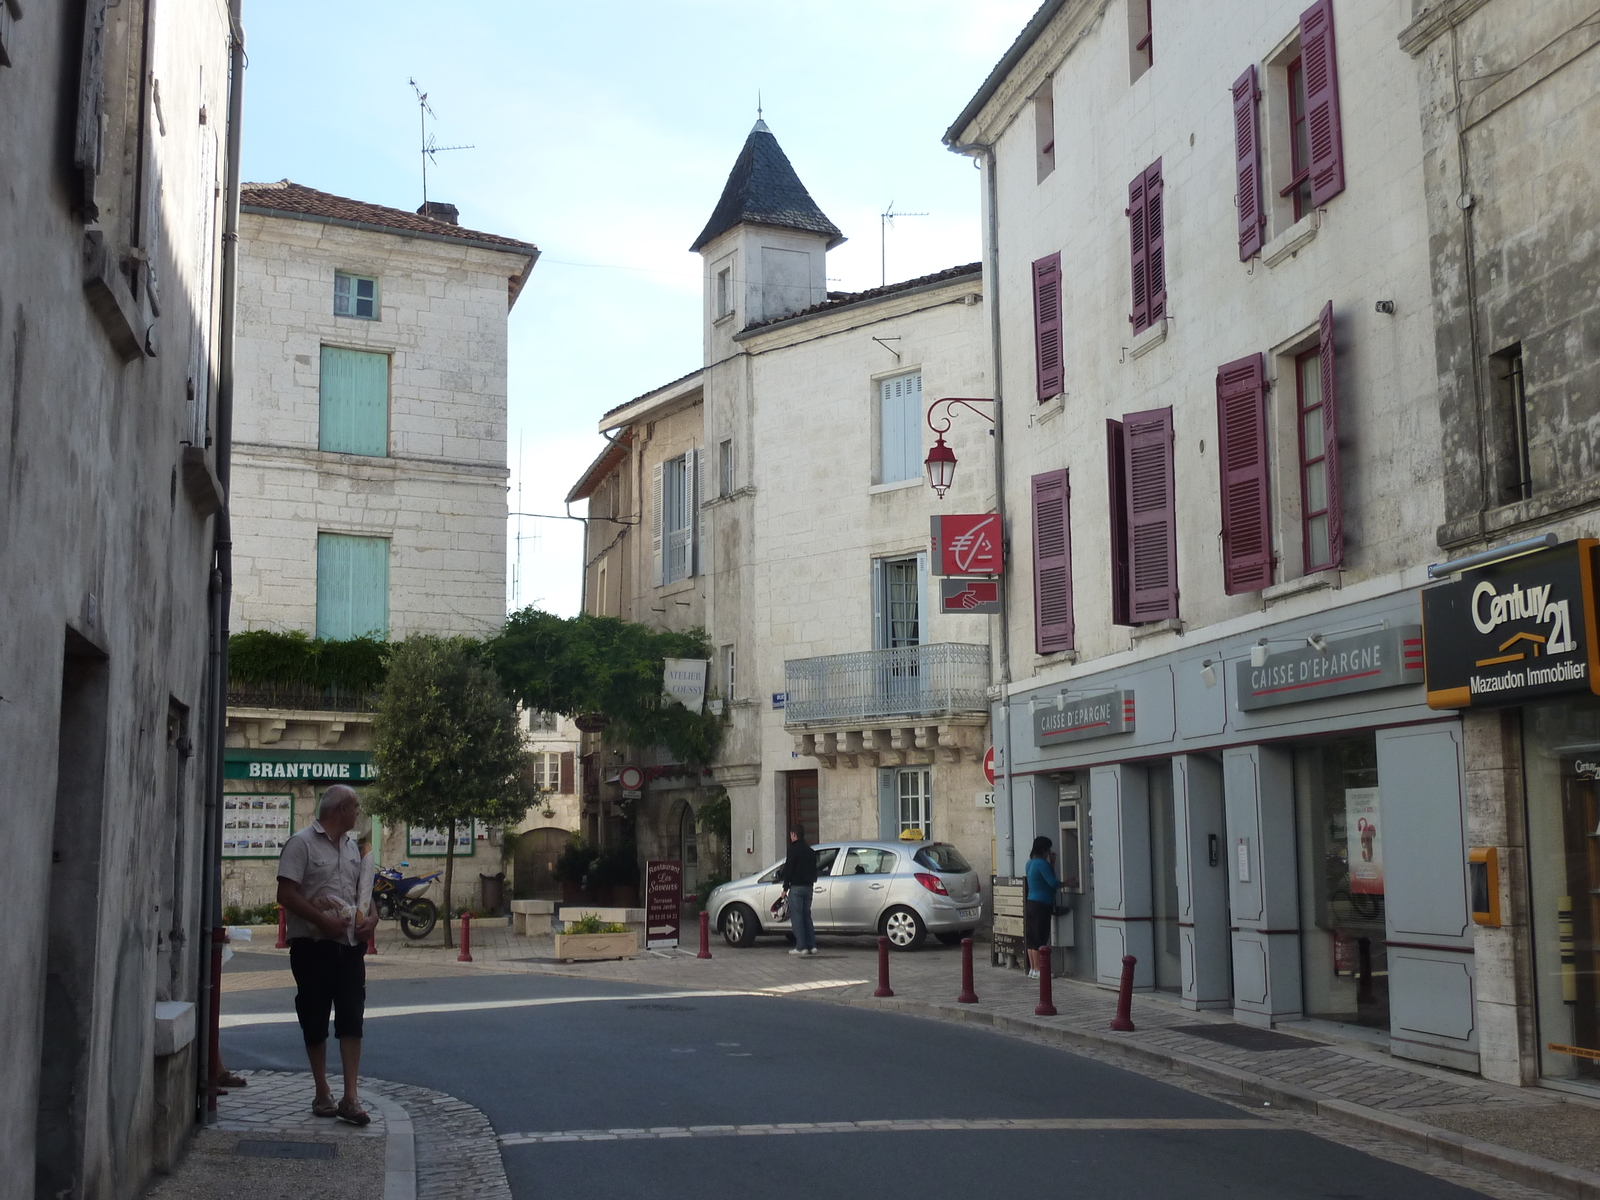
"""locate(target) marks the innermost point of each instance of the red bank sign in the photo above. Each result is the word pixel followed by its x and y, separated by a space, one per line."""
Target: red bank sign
pixel 967 545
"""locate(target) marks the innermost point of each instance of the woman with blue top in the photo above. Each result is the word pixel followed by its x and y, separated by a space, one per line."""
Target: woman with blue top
pixel 1039 903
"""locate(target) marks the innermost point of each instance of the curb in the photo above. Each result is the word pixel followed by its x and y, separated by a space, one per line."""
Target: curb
pixel 400 1149
pixel 1572 1183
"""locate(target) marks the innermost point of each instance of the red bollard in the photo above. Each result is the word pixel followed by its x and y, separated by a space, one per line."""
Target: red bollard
pixel 1123 1021
pixel 1047 1004
pixel 283 930
pixel 883 969
pixel 968 995
pixel 705 935
pixel 466 938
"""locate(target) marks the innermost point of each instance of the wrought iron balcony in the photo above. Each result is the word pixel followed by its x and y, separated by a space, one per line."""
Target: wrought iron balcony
pixel 943 679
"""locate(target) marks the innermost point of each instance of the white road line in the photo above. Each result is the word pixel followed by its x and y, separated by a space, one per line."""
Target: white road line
pixel 980 1124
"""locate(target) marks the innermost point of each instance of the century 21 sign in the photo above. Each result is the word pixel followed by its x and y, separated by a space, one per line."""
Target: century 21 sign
pixel 1514 631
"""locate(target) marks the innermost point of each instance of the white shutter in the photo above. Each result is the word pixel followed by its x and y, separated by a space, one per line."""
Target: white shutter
pixel 698 514
pixel 655 525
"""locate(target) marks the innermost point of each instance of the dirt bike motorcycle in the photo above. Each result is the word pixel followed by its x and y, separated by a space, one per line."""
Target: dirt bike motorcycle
pixel 396 896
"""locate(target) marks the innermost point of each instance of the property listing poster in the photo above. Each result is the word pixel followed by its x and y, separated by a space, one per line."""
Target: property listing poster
pixel 431 843
pixel 1364 848
pixel 256 825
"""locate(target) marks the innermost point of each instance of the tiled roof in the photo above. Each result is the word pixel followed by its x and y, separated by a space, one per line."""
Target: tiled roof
pixel 1024 42
pixel 651 392
pixel 841 299
pixel 764 190
pixel 287 197
pixel 605 463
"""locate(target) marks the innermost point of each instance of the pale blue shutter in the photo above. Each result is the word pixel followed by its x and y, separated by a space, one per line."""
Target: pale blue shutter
pixel 911 426
pixel 891 418
pixel 888 804
pixel 352 586
pixel 355 402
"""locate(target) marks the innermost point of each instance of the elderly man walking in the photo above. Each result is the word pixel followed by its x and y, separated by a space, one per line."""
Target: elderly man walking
pixel 319 886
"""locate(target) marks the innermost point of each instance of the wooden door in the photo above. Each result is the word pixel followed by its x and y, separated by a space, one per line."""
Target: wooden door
pixel 537 851
pixel 802 804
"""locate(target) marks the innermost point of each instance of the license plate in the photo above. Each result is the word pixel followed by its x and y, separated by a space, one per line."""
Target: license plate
pixel 971 914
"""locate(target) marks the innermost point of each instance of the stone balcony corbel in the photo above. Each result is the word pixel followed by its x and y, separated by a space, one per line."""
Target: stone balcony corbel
pixel 271 731
pixel 329 733
pixel 957 742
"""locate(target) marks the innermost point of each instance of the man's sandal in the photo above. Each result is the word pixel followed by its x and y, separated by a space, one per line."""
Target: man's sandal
pixel 324 1108
pixel 351 1113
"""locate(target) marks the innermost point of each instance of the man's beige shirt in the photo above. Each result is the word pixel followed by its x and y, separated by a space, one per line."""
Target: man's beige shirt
pixel 321 868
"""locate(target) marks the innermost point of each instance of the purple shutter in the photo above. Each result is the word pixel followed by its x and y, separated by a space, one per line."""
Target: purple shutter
pixel 1330 434
pixel 1155 237
pixel 1140 316
pixel 1152 516
pixel 1047 325
pixel 1117 506
pixel 1247 164
pixel 1052 562
pixel 1322 102
pixel 566 772
pixel 1242 446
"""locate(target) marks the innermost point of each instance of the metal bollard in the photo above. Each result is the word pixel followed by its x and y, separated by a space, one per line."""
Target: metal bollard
pixel 1047 1004
pixel 705 935
pixel 466 938
pixel 883 969
pixel 968 995
pixel 1123 1021
pixel 283 929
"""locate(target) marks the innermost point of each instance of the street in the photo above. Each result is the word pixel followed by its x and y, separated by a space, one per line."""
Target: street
pixel 544 1055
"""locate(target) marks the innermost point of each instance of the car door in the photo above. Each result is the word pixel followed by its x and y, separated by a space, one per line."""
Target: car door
pixel 860 888
pixel 822 894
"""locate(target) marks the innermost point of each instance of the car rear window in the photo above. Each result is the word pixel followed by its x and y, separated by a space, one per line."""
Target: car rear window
pixel 939 857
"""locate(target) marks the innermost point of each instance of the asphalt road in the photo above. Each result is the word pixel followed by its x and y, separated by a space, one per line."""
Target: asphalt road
pixel 608 1056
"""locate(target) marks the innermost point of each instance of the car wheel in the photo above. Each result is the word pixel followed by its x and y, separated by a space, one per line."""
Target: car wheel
pixel 903 928
pixel 954 939
pixel 739 926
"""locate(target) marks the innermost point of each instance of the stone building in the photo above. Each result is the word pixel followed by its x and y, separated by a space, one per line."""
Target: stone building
pixel 1209 247
pixel 115 161
pixel 369 483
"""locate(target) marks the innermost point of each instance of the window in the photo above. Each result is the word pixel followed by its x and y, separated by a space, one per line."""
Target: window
pixel 1052 563
pixel 1044 129
pixel 674 545
pixel 900 428
pixel 725 291
pixel 1047 326
pixel 1298 189
pixel 1242 449
pixel 943 858
pixel 534 721
pixel 1144 549
pixel 1514 468
pixel 725 467
pixel 552 771
pixel 1324 137
pixel 355 296
pixel 1247 165
pixel 352 587
pixel 868 860
pixel 1141 39
pixel 1147 237
pixel 1321 520
pixel 354 402
pixel 728 672
pixel 915 788
pixel 898 600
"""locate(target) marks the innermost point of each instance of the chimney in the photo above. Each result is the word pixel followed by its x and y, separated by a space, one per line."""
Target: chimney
pixel 438 210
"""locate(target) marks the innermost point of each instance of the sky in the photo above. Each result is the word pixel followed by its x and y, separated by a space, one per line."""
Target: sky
pixel 603 133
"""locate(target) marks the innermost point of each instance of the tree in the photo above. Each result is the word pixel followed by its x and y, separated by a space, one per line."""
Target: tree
pixel 446 744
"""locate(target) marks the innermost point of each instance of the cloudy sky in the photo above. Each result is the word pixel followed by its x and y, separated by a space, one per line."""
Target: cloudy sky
pixel 603 133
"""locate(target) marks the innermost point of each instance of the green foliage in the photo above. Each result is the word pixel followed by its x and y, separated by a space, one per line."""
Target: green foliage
pixel 709 884
pixel 573 862
pixel 261 914
pixel 617 867
pixel 716 816
pixel 265 657
pixel 593 924
pixel 605 665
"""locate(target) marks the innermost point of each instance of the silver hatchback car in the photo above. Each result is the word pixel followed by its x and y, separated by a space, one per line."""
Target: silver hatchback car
pixel 901 890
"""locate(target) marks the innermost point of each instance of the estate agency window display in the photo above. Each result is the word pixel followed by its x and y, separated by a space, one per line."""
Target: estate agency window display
pixel 255 825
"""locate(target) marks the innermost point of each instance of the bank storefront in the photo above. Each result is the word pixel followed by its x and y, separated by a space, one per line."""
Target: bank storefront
pixel 1520 637
pixel 1271 824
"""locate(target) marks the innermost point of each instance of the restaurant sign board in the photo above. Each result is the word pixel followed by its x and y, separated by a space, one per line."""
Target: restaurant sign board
pixel 1514 631
pixel 1069 720
pixel 1379 658
pixel 663 903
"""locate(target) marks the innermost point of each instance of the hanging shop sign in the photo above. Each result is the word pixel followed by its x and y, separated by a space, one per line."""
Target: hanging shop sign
pixel 958 596
pixel 966 545
pixel 663 903
pixel 1380 658
pixel 1068 720
pixel 256 824
pixel 684 681
pixel 311 766
pixel 1514 631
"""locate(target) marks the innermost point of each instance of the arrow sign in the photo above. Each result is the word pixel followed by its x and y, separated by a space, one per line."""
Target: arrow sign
pixel 969 596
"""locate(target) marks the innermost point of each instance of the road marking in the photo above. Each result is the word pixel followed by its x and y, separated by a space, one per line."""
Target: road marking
pixel 979 1124
pixel 812 985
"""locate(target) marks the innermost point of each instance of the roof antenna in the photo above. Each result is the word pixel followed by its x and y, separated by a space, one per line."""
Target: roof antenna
pixel 428 148
pixel 886 223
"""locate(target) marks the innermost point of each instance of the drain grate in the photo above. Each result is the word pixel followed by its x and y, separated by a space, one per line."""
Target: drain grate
pixel 665 1007
pixel 259 1148
pixel 1246 1037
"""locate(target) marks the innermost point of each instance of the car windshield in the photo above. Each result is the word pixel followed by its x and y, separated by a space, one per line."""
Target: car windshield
pixel 939 857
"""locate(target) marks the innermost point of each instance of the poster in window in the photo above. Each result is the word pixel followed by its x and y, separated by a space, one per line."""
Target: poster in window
pixel 432 843
pixel 1364 849
pixel 255 825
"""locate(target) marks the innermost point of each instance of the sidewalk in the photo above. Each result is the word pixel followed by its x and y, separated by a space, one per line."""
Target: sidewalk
pixel 1533 1136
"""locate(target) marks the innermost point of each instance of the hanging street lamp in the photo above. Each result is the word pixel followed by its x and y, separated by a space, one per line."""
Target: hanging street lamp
pixel 941 460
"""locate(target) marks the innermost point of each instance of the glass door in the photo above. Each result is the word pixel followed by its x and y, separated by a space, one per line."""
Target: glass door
pixel 1164 880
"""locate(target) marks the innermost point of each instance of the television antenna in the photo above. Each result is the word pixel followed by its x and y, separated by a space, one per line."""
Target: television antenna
pixel 886 223
pixel 429 148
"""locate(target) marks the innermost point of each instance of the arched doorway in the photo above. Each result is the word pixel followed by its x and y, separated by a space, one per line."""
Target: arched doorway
pixel 537 851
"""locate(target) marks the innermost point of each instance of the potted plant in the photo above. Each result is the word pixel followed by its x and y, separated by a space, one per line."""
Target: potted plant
pixel 571 869
pixel 591 939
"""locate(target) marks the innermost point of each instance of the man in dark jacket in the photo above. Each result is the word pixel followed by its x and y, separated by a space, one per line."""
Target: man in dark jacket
pixel 799 878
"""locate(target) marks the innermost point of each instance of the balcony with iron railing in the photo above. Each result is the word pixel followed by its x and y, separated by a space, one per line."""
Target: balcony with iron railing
pixel 908 684
pixel 299 697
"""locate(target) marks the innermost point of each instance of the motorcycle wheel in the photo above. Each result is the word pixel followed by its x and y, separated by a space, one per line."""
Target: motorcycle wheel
pixel 418 918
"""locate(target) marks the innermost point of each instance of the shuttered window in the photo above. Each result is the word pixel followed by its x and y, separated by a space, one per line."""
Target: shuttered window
pixel 1242 447
pixel 1047 326
pixel 1152 516
pixel 568 772
pixel 673 549
pixel 352 586
pixel 1247 164
pixel 1052 563
pixel 900 428
pixel 1147 238
pixel 1322 102
pixel 1320 501
pixel 1117 507
pixel 353 416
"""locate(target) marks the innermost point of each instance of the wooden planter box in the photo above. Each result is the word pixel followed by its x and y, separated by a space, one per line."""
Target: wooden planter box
pixel 590 947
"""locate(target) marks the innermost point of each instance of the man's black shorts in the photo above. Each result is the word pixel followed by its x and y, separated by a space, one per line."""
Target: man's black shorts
pixel 1035 923
pixel 329 975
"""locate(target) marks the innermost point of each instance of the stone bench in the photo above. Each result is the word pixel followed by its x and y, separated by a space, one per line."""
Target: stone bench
pixel 531 917
pixel 633 918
